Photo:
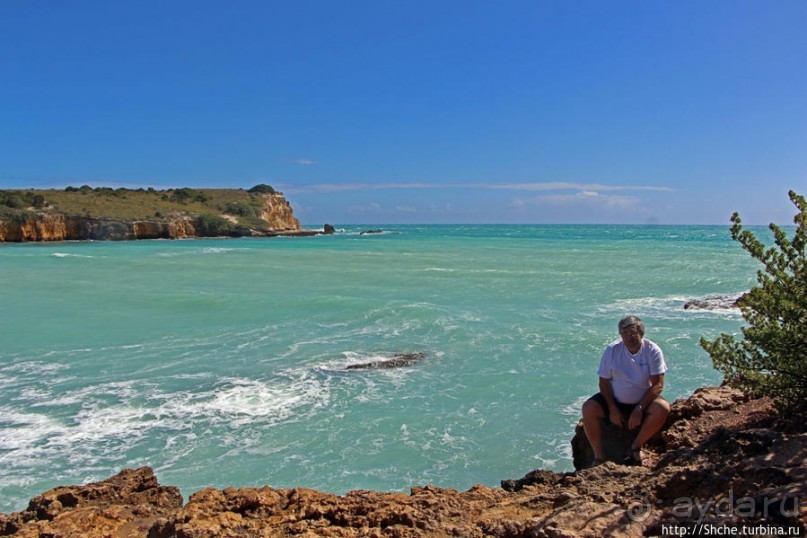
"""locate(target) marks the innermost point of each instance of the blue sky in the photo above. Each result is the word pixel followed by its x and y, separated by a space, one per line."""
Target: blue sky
pixel 413 111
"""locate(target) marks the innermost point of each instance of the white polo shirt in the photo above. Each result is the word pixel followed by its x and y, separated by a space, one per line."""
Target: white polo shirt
pixel 629 373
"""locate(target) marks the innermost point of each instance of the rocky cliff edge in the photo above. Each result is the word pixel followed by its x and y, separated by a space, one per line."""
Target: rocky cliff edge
pixel 719 464
pixel 274 216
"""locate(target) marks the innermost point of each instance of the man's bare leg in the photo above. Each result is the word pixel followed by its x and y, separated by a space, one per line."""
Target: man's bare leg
pixel 593 415
pixel 653 420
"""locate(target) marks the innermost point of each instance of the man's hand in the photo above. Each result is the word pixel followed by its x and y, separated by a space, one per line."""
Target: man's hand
pixel 636 417
pixel 615 416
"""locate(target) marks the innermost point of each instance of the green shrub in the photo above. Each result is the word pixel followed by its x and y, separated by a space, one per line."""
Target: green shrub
pixel 185 195
pixel 213 226
pixel 241 209
pixel 17 216
pixel 262 189
pixel 16 199
pixel 771 358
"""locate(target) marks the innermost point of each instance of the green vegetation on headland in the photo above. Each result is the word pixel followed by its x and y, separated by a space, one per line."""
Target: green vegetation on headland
pixel 214 212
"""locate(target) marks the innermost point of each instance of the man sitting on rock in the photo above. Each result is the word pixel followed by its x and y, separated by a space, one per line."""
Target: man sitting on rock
pixel 631 380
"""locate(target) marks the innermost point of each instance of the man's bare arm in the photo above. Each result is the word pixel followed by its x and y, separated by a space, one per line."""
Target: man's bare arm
pixel 608 393
pixel 653 392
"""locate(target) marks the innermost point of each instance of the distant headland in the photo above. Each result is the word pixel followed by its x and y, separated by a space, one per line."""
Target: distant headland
pixel 104 214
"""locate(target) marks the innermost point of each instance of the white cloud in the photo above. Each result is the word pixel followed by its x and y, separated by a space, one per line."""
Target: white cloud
pixel 354 186
pixel 564 185
pixel 372 207
pixel 528 202
pixel 582 198
pixel 536 186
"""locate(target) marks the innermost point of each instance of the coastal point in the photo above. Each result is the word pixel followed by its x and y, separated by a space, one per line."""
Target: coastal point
pixel 106 214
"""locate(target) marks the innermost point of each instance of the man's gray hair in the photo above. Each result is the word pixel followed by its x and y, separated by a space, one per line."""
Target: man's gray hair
pixel 632 321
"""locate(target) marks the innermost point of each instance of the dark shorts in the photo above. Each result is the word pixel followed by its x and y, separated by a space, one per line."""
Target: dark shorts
pixel 625 409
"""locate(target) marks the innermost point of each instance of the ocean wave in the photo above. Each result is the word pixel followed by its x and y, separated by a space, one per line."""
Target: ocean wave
pixel 32 367
pixel 220 250
pixel 202 251
pixel 105 422
pixel 240 401
pixel 69 255
pixel 22 430
pixel 664 307
pixel 573 409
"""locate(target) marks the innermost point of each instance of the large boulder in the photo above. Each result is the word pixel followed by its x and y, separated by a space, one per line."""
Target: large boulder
pixel 117 506
pixel 616 443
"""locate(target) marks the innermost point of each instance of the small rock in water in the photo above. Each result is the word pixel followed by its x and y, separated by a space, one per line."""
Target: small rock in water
pixel 720 302
pixel 396 361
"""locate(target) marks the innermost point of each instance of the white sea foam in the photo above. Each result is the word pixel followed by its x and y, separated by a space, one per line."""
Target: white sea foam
pixel 112 418
pixel 220 250
pixel 573 409
pixel 69 255
pixel 665 307
pixel 203 251
pixel 243 401
pixel 545 462
pixel 22 431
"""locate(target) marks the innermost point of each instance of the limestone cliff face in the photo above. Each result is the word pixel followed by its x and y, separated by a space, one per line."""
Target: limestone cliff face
pixel 58 227
pixel 33 228
pixel 277 213
pixel 53 226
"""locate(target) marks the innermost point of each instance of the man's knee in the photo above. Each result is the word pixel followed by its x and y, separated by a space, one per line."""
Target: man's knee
pixel 660 407
pixel 592 409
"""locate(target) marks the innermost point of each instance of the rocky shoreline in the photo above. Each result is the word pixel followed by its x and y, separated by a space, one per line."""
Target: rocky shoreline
pixel 721 461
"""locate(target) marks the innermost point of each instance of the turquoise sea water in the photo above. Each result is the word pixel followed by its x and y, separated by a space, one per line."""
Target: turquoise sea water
pixel 224 362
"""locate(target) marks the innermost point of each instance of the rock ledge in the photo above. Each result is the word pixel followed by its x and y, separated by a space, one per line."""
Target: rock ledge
pixel 719 449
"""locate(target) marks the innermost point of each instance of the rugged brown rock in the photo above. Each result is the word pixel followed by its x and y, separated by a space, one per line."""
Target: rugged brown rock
pixel 720 302
pixel 127 504
pixel 58 227
pixel 278 214
pixel 398 360
pixel 720 461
